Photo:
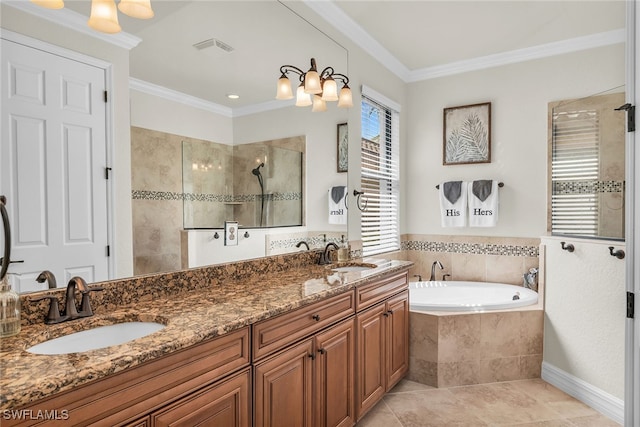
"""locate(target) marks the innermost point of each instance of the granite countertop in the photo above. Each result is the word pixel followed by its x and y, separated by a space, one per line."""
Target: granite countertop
pixel 190 318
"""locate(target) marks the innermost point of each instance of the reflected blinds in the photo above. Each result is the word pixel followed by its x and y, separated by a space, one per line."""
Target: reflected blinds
pixel 574 172
pixel 380 177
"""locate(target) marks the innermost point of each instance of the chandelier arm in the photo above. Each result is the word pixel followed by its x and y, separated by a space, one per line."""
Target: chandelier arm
pixel 342 77
pixel 286 68
pixel 327 72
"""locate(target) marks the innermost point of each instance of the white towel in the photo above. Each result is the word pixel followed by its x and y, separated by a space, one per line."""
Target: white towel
pixel 337 205
pixel 453 203
pixel 483 203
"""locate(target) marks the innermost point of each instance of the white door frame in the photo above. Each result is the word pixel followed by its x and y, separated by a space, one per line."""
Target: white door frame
pixel 632 228
pixel 109 129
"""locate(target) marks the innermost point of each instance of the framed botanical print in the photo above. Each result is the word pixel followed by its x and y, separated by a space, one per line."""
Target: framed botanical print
pixel 343 147
pixel 467 134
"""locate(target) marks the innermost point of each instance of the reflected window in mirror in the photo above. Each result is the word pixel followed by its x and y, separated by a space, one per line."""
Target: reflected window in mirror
pixel 587 169
pixel 380 180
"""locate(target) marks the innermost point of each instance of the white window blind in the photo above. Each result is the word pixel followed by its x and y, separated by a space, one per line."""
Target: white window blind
pixel 574 172
pixel 380 178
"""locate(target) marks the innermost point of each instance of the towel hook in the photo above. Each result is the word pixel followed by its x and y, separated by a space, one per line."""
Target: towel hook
pixel 618 254
pixel 567 246
pixel 358 195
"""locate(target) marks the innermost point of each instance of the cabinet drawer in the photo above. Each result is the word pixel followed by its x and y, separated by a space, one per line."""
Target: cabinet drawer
pixel 272 334
pixel 370 294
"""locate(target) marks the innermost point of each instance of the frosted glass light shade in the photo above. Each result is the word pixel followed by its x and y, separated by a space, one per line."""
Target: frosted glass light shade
pixel 346 98
pixel 329 90
pixel 140 9
pixel 49 4
pixel 312 82
pixel 318 104
pixel 284 88
pixel 302 99
pixel 104 16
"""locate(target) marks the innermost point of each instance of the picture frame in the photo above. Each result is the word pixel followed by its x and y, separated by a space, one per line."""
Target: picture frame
pixel 343 147
pixel 467 134
pixel 231 233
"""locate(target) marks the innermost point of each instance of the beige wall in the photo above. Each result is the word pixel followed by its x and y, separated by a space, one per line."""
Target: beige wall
pixel 519 94
pixel 585 312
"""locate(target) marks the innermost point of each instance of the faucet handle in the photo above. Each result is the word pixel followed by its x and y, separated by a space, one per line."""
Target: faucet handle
pixel 85 304
pixel 53 315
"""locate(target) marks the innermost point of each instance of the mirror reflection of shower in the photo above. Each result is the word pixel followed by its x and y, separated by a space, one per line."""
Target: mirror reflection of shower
pixel 256 172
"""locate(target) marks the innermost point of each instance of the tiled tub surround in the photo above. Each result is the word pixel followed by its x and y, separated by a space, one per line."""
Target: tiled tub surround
pixel 449 348
pixel 474 258
pixel 195 305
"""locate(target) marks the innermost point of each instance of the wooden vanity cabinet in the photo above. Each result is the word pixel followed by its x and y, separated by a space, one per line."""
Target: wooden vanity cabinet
pixel 383 342
pixel 309 383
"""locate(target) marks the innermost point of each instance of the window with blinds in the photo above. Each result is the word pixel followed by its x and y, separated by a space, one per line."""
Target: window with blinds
pixel 380 179
pixel 574 172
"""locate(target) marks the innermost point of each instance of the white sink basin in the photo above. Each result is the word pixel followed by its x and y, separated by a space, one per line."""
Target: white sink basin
pixel 95 338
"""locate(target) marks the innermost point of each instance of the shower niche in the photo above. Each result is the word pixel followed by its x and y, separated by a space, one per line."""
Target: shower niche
pixel 259 185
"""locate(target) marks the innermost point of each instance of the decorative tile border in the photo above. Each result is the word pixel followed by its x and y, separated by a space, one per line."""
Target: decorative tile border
pixel 587 187
pixel 204 197
pixel 471 248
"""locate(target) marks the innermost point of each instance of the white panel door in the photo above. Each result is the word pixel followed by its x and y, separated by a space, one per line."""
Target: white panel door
pixel 52 165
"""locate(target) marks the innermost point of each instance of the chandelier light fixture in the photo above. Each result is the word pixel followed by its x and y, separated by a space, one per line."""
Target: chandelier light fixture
pixel 104 15
pixel 315 88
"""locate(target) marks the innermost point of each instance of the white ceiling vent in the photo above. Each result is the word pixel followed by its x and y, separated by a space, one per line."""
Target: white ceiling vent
pixel 211 43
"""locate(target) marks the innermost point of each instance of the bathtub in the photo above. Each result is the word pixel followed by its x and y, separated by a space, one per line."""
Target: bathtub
pixel 468 296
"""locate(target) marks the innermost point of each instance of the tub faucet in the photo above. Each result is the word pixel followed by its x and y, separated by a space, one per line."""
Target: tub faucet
pixel 433 270
pixel 531 279
pixel 324 256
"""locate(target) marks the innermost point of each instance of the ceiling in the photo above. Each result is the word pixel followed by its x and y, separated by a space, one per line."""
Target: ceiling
pixel 414 39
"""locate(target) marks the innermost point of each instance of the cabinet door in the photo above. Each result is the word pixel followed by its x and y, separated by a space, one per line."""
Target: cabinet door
pixel 334 368
pixel 224 404
pixel 371 335
pixel 283 388
pixel 397 338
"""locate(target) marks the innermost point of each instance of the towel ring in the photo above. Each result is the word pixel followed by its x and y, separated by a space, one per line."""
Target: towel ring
pixel 358 194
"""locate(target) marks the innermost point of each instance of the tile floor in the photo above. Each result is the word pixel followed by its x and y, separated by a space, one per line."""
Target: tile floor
pixel 514 403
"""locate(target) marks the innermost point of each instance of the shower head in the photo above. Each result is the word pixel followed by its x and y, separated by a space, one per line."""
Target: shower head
pixel 256 171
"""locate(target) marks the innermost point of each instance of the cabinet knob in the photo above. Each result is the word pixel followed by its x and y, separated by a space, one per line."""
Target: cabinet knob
pixel 316 317
pixel 385 314
pixel 321 351
pixel 311 356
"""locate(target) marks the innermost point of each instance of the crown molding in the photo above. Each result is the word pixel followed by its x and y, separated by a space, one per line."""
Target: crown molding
pixel 520 55
pixel 335 16
pixel 75 21
pixel 173 95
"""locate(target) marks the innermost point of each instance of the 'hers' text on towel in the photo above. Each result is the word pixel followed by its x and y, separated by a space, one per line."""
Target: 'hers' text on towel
pixel 478 211
pixel 337 212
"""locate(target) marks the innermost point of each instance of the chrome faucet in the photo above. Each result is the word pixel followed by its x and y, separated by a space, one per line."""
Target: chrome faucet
pixel 433 270
pixel 47 276
pixel 531 279
pixel 324 256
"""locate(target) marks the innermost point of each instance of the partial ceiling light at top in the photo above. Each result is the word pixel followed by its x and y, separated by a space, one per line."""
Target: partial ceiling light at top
pixel 321 86
pixel 104 16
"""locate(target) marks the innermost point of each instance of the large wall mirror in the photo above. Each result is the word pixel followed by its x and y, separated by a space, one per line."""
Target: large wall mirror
pixel 203 51
pixel 587 166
